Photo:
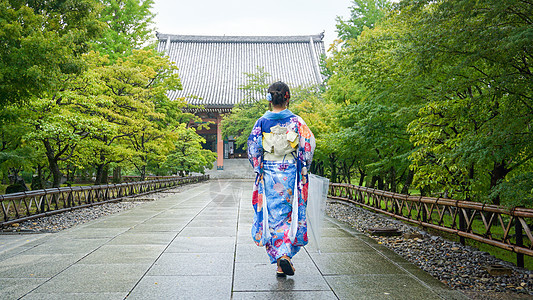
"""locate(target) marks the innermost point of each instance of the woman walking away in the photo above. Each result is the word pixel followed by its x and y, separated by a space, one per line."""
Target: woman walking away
pixel 280 149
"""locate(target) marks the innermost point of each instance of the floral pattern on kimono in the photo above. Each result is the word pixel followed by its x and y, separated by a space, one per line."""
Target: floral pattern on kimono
pixel 279 179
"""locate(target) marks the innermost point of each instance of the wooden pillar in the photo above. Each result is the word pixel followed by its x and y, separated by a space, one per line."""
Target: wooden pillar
pixel 220 144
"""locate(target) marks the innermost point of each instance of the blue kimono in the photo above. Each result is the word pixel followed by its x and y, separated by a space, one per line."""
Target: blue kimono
pixel 280 189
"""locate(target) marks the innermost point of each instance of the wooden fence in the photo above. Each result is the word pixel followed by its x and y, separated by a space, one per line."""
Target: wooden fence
pixel 18 207
pixel 509 229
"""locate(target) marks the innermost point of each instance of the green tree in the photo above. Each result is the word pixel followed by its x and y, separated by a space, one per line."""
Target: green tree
pixel 154 135
pixel 455 77
pixel 128 27
pixel 474 132
pixel 122 99
pixel 58 128
pixel 16 154
pixel 375 108
pixel 41 42
pixel 363 14
pixel 188 154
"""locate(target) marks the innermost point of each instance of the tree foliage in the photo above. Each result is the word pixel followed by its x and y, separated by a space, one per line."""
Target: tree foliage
pixel 441 92
pixel 188 154
pixel 83 112
pixel 476 127
pixel 128 26
pixel 40 41
pixel 363 14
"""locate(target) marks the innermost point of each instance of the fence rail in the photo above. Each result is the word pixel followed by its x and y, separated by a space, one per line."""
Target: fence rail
pixel 18 207
pixel 138 178
pixel 509 229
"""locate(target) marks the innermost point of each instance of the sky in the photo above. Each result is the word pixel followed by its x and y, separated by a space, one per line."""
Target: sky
pixel 249 17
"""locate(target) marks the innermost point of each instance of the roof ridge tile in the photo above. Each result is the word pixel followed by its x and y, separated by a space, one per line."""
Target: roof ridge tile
pixel 240 39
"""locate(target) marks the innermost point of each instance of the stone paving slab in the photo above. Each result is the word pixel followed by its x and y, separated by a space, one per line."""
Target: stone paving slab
pixel 187 244
pixel 196 245
pixel 94 278
pixel 183 287
pixel 286 295
pixel 76 296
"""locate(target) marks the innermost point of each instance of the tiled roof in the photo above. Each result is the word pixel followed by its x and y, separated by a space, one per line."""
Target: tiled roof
pixel 212 67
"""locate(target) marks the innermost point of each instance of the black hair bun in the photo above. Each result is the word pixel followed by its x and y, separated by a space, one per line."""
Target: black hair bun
pixel 280 93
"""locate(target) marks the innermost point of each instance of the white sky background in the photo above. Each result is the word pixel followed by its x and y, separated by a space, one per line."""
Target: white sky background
pixel 249 17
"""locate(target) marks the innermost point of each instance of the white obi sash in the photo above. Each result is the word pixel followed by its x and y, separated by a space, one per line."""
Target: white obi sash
pixel 280 141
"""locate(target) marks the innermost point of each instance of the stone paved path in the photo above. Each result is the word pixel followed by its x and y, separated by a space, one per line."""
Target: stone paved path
pixel 197 245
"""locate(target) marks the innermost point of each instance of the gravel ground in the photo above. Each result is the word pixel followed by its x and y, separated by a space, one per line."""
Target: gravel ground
pixel 459 267
pixel 55 223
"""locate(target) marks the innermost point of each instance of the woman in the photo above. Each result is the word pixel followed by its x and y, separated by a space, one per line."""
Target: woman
pixel 280 149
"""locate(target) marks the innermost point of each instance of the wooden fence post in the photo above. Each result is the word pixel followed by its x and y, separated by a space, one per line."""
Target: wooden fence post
pixel 519 242
pixel 462 225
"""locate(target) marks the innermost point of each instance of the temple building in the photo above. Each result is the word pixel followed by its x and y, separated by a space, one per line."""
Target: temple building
pixel 212 70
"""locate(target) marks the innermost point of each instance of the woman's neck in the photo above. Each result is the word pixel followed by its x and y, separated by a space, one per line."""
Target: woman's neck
pixel 278 109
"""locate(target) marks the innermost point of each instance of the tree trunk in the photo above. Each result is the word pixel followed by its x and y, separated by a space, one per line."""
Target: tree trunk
pixel 117 174
pixel 373 181
pixel 53 165
pixel 143 172
pixel 345 172
pixel 71 173
pixel 408 182
pixel 333 167
pixel 362 176
pixel 38 182
pixel 320 169
pixel 105 174
pixel 381 184
pixel 99 174
pixel 498 173
pixel 393 185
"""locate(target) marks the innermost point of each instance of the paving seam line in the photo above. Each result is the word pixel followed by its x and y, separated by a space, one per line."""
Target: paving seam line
pixel 236 243
pixel 321 274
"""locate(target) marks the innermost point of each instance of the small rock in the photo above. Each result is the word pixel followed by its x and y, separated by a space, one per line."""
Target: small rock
pixel 412 236
pixel 498 270
pixel 384 231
